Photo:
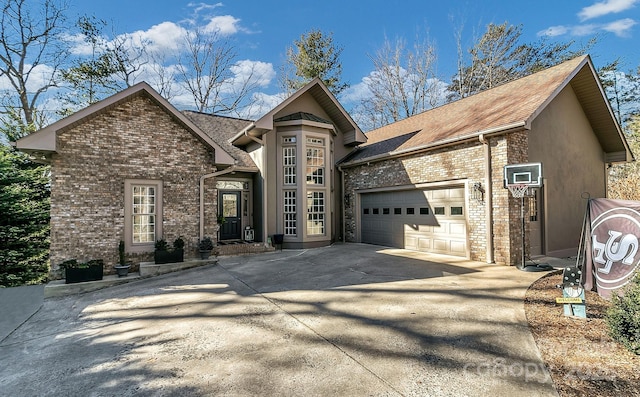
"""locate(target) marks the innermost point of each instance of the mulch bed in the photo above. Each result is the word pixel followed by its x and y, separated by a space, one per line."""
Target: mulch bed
pixel 581 356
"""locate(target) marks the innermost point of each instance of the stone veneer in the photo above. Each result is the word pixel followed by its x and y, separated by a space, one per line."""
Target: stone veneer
pixel 454 165
pixel 136 139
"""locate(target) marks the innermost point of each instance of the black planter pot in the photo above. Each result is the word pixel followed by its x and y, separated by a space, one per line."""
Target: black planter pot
pixel 93 272
pixel 205 254
pixel 168 256
pixel 278 238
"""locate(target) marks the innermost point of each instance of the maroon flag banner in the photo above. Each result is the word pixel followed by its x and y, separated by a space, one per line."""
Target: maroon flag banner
pixel 612 254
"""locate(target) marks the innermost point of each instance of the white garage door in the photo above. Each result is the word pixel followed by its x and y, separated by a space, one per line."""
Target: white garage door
pixel 421 220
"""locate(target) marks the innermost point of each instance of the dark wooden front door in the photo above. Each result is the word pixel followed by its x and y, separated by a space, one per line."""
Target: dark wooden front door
pixel 229 207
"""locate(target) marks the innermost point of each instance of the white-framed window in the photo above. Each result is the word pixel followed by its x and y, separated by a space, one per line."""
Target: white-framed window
pixel 290 210
pixel 315 161
pixel 315 213
pixel 143 214
pixel 289 164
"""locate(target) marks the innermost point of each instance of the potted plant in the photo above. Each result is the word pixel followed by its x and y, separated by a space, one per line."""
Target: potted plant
pixel 122 268
pixel 178 249
pixel 77 272
pixel 205 246
pixel 163 254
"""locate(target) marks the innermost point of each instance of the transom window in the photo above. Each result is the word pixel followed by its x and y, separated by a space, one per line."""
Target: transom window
pixel 315 141
pixel 290 220
pixel 289 164
pixel 144 214
pixel 315 213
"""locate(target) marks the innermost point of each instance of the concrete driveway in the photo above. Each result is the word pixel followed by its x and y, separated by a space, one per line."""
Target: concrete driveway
pixel 348 320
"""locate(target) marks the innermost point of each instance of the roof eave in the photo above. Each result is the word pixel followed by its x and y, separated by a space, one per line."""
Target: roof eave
pixel 491 132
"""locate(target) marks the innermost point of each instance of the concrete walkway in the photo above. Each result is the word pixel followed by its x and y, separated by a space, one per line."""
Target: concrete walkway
pixel 350 319
pixel 17 304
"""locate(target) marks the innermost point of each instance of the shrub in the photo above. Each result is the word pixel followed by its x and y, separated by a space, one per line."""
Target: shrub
pixel 623 318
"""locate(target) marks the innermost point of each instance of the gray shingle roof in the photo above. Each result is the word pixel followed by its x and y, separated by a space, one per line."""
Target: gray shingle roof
pixel 220 129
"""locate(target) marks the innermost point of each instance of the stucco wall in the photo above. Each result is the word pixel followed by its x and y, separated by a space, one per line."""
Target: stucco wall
pixel 572 159
pixel 135 140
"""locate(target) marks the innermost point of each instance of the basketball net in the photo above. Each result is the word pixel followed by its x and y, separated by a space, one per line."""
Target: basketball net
pixel 518 190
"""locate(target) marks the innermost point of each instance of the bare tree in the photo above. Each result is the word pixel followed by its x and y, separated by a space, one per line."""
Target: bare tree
pixel 205 68
pixel 624 179
pixel 31 54
pixel 493 60
pixel 162 77
pixel 404 83
pixel 127 58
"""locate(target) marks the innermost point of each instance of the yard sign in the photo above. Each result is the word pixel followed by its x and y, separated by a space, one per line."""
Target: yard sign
pixel 612 254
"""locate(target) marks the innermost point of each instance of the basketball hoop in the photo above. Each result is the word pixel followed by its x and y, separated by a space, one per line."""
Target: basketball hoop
pixel 518 190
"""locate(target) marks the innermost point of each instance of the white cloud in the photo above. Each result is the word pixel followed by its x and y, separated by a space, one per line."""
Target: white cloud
pixel 554 31
pixel 356 93
pixel 584 30
pixel 225 25
pixel 605 7
pixel 259 73
pixel 164 37
pixel 620 27
pixel 261 103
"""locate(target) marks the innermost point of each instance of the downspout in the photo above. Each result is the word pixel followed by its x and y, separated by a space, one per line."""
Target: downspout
pixel 489 197
pixel 344 209
pixel 202 179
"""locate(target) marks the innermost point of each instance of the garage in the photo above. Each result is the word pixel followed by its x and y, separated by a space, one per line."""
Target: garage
pixel 428 220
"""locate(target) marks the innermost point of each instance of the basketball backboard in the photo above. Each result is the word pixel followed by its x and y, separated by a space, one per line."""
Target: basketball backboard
pixel 529 174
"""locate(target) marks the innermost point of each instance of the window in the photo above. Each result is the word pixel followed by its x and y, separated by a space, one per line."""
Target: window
pixel 289 164
pixel 438 210
pixel 290 219
pixel 397 211
pixel 376 211
pixel 143 214
pixel 365 211
pixel 411 211
pixel 424 210
pixel 385 211
pixel 315 166
pixel 315 213
pixel 456 210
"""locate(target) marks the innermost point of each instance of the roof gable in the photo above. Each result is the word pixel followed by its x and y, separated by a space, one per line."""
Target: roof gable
pixel 43 141
pixel 510 106
pixel 325 99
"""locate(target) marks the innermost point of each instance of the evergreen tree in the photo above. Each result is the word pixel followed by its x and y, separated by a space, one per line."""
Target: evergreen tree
pixel 314 55
pixel 24 219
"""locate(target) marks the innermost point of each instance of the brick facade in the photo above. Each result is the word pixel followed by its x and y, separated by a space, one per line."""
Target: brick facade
pixel 136 139
pixel 454 165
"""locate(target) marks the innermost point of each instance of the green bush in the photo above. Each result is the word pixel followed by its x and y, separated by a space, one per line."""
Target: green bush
pixel 24 219
pixel 623 318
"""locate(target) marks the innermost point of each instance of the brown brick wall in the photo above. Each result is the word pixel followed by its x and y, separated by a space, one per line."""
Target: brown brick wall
pixel 465 162
pixel 134 140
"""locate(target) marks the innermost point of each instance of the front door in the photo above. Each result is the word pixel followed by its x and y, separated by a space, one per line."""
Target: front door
pixel 229 208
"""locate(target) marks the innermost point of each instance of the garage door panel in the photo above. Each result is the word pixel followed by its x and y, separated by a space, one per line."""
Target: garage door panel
pixel 406 219
pixel 458 247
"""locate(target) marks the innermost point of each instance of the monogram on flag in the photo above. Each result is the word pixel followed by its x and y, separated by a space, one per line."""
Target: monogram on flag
pixel 612 242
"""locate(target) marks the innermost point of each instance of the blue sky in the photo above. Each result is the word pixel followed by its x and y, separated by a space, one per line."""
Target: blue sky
pixel 262 30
